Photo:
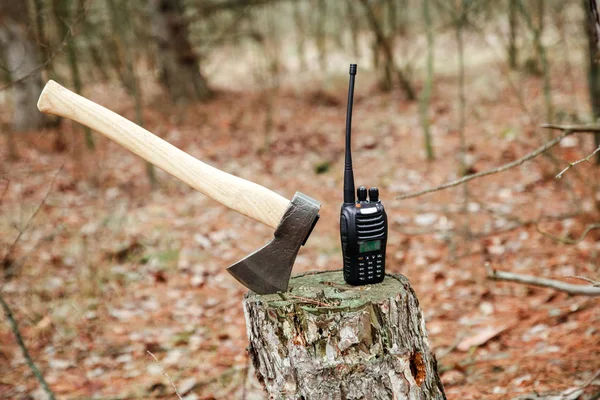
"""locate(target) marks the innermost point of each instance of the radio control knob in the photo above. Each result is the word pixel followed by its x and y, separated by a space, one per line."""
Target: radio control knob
pixel 361 193
pixel 373 195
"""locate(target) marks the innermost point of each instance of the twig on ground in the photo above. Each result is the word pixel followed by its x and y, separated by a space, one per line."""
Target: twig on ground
pixel 502 168
pixel 571 165
pixel 584 278
pixel 573 128
pixel 584 290
pixel 165 374
pixel 589 382
pixel 15 330
pixel 566 240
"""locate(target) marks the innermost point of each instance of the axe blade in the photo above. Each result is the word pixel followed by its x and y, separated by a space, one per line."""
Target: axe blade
pixel 268 269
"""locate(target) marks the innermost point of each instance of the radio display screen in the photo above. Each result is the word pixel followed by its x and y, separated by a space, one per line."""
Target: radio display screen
pixel 366 247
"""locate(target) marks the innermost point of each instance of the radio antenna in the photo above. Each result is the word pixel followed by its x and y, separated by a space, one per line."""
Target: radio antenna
pixel 348 173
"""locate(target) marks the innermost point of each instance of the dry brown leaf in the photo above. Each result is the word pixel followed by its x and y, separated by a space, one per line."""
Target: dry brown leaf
pixel 480 338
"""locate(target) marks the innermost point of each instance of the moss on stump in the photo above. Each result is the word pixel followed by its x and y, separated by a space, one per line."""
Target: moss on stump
pixel 324 339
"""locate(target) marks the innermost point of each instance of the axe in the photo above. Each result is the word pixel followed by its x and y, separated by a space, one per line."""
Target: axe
pixel 265 271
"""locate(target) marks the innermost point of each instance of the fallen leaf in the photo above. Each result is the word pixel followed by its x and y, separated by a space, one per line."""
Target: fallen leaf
pixel 59 364
pixel 187 385
pixel 159 277
pixel 480 338
pixel 452 377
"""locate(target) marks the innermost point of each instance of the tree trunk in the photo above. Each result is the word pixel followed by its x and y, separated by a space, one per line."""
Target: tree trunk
pixel 326 340
pixel 428 84
pixel 392 17
pixel 592 30
pixel 96 46
pixel 23 65
pixel 512 34
pixel 545 64
pixel 300 34
pixel 62 16
pixel 320 34
pixel 462 109
pixel 40 35
pixel 404 8
pixel 177 61
pixel 354 23
pixel 384 44
pixel 123 45
pixel 537 31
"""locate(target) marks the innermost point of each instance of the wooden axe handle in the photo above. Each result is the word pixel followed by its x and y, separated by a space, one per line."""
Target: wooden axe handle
pixel 248 198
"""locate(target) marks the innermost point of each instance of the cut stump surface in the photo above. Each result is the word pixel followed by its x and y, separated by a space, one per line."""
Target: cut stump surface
pixel 324 339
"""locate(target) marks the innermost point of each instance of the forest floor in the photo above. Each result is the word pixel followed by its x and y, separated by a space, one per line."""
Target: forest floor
pixel 107 269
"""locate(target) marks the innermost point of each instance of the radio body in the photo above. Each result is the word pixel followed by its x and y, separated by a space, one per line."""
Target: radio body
pixel 363 222
pixel 363 228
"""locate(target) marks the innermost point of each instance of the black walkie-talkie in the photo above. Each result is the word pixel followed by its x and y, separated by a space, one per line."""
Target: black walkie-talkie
pixel 363 223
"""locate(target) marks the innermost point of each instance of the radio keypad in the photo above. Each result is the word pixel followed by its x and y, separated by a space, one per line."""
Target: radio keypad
pixel 370 267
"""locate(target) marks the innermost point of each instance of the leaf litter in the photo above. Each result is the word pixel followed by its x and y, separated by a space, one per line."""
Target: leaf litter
pixel 110 270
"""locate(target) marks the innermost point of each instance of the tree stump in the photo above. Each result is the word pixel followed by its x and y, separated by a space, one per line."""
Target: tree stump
pixel 324 339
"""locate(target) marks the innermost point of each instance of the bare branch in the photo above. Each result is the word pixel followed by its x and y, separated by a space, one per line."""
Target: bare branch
pixel 594 21
pixel 165 374
pixel 580 388
pixel 68 36
pixel 566 240
pixel 573 128
pixel 584 278
pixel 21 231
pixel 584 290
pixel 571 165
pixel 15 330
pixel 567 130
pixel 502 168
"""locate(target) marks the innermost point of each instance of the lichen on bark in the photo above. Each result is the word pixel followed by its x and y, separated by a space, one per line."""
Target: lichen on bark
pixel 324 339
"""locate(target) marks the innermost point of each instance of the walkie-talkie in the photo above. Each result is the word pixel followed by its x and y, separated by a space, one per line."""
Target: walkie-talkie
pixel 363 222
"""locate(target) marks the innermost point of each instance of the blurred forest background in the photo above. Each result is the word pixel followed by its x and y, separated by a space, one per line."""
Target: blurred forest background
pixel 104 258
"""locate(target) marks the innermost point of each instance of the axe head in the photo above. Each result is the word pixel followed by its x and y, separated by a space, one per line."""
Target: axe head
pixel 268 269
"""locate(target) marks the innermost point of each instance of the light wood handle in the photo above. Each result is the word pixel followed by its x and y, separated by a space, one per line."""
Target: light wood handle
pixel 248 198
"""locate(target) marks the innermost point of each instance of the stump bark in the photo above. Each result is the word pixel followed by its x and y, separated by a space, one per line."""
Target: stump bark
pixel 324 339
